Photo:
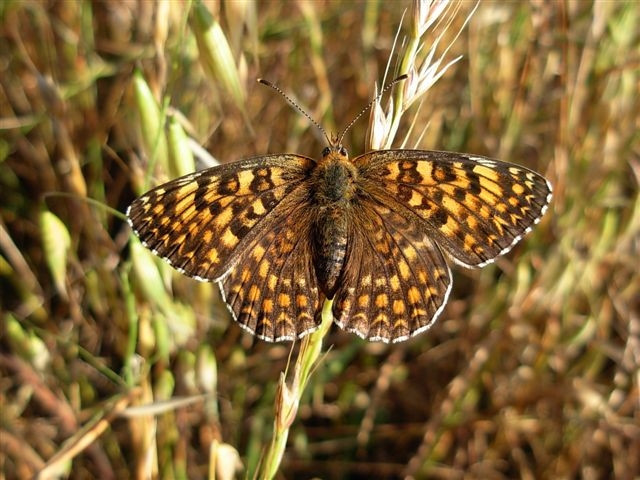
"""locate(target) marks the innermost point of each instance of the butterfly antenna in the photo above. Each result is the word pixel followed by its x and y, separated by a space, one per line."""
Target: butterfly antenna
pixel 384 90
pixel 295 105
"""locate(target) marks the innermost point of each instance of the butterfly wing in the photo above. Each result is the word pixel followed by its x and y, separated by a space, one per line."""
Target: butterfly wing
pixel 474 207
pixel 396 279
pixel 243 226
pixel 272 290
pixel 203 222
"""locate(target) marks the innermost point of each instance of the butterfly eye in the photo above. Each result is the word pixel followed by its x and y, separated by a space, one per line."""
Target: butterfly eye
pixel 343 151
pixel 326 151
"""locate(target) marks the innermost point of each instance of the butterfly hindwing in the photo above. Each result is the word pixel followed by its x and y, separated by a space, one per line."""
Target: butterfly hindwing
pixel 397 280
pixel 272 290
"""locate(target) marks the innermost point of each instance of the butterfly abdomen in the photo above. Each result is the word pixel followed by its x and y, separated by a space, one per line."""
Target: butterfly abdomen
pixel 329 248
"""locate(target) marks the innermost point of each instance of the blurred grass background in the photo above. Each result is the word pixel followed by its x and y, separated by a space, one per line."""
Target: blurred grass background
pixel 532 370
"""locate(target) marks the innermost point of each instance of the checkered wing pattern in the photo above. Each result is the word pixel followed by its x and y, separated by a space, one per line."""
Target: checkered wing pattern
pixel 239 225
pixel 476 208
pixel 272 290
pixel 396 278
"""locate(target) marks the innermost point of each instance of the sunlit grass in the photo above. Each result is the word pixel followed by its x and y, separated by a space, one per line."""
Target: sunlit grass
pixel 114 365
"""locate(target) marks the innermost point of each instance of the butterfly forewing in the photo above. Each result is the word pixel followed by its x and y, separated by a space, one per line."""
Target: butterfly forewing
pixel 200 223
pixel 474 207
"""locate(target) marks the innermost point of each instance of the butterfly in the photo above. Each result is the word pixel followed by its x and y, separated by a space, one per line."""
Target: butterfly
pixel 281 233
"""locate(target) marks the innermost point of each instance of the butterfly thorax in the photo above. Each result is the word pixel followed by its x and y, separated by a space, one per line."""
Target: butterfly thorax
pixel 334 178
pixel 334 186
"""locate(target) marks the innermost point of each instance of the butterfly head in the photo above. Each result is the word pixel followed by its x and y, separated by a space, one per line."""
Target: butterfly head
pixel 335 151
